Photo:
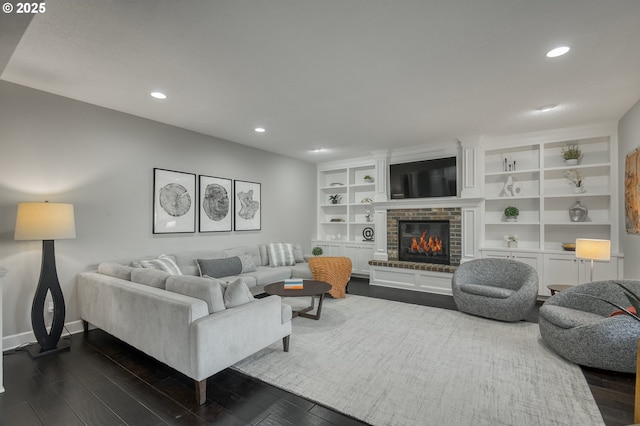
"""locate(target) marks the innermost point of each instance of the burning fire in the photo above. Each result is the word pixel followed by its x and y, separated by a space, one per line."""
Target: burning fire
pixel 430 245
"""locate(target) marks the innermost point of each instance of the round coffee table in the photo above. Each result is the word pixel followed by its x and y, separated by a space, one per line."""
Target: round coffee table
pixel 311 288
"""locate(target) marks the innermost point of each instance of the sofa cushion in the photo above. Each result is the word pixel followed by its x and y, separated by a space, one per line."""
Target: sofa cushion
pixel 301 270
pixel 115 270
pixel 218 268
pixel 151 277
pixel 487 290
pixel 267 274
pixel 206 289
pixel 237 293
pixel 281 254
pixel 297 252
pixel 264 254
pixel 162 263
pixel 567 317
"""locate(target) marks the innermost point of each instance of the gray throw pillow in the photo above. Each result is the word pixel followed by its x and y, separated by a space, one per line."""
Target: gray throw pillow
pixel 218 268
pixel 201 288
pixel 115 270
pixel 151 277
pixel 297 253
pixel 237 293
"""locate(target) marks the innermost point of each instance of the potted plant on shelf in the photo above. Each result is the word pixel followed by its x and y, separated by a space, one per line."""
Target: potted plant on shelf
pixel 368 179
pixel 317 251
pixel 335 198
pixel 571 154
pixel 574 178
pixel 512 241
pixel 511 213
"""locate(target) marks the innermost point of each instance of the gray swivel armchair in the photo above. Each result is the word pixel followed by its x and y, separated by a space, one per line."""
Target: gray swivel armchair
pixel 501 289
pixel 581 329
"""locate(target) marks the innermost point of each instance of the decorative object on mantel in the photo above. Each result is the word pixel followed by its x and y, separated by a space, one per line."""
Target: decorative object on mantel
pixel 509 166
pixel 368 179
pixel 367 234
pixel 335 198
pixel 574 178
pixel 569 246
pixel 511 214
pixel 571 154
pixel 46 222
pixel 511 188
pixel 632 192
pixel 512 241
pixel 578 212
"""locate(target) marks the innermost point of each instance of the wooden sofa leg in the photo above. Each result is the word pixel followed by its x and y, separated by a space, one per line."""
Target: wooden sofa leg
pixel 285 343
pixel 201 391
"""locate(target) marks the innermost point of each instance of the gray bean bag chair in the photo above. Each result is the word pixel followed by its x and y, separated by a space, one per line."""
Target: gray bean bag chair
pixel 501 289
pixel 580 328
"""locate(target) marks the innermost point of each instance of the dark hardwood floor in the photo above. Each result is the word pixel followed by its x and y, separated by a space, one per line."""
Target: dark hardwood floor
pixel 103 381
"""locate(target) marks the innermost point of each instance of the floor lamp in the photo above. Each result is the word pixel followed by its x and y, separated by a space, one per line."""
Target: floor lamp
pixel 46 222
pixel 591 249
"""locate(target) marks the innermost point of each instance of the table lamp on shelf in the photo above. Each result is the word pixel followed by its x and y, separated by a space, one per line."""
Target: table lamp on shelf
pixel 591 249
pixel 47 222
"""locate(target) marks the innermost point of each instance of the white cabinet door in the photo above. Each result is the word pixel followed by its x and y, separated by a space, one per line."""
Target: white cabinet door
pixel 360 256
pixel 329 249
pixel 561 269
pixel 602 270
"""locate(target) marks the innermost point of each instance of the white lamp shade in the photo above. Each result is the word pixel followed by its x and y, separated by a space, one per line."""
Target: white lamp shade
pixel 45 221
pixel 593 249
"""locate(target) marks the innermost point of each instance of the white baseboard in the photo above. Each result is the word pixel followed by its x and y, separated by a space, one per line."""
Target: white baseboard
pixel 15 340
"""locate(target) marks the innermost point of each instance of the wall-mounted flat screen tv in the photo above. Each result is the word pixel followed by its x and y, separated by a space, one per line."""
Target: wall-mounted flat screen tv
pixel 422 179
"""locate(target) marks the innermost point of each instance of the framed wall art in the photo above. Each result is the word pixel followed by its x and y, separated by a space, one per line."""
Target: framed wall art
pixel 247 206
pixel 215 204
pixel 174 202
pixel 632 192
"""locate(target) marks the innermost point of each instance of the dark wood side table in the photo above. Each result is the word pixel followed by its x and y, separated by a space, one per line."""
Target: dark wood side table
pixel 311 288
pixel 556 288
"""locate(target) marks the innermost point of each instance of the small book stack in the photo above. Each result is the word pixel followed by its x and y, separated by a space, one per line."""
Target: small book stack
pixel 293 284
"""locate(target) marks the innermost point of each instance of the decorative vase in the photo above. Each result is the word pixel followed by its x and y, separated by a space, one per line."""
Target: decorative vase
pixel 571 162
pixel 578 212
pixel 579 189
pixel 511 219
pixel 512 244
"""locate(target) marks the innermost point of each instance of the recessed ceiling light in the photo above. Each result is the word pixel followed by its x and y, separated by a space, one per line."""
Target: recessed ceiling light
pixel 158 95
pixel 317 150
pixel 260 129
pixel 558 51
pixel 547 108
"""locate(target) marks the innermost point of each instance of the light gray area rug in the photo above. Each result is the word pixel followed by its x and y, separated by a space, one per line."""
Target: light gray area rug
pixel 392 363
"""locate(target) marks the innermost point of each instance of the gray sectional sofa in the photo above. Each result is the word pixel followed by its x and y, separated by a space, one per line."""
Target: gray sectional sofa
pixel 194 324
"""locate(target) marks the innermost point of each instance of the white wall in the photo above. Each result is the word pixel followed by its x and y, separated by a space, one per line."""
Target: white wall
pixel 629 141
pixel 61 150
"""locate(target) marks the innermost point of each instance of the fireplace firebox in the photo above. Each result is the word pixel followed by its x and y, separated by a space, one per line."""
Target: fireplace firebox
pixel 424 241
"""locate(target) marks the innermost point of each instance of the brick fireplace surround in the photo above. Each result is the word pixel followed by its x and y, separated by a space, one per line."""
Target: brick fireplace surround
pixel 452 214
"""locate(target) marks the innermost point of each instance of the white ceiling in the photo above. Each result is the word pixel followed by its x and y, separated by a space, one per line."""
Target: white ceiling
pixel 351 76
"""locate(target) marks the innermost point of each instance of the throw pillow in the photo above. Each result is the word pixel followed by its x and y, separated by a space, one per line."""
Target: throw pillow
pixel 621 312
pixel 237 293
pixel 151 277
pixel 218 268
pixel 117 270
pixel 162 263
pixel 297 253
pixel 201 288
pixel 248 264
pixel 281 254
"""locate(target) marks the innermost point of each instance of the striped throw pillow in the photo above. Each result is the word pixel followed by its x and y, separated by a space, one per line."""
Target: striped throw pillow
pixel 281 254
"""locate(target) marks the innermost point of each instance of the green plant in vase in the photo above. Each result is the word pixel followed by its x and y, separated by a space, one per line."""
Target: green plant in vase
pixel 335 198
pixel 571 154
pixel 511 213
pixel 317 251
